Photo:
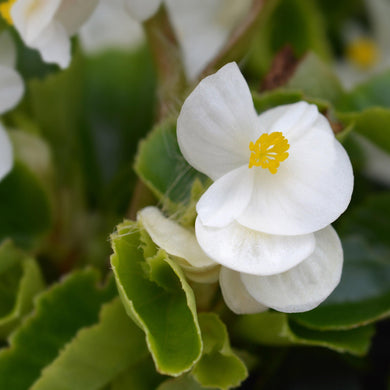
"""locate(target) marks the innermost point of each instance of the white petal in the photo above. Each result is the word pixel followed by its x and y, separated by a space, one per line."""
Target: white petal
pixel 54 45
pixel 11 88
pixel 142 10
pixel 204 275
pixel 293 120
pixel 226 198
pixel 202 28
pixel 311 189
pixel 253 252
pixel 7 50
pixel 173 238
pixel 110 27
pixel 305 286
pixel 73 13
pixel 31 17
pixel 216 123
pixel 235 295
pixel 6 153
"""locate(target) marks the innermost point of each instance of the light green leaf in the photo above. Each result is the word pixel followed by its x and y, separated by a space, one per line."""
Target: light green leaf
pixel 271 328
pixel 372 123
pixel 316 80
pixel 372 93
pixel 59 313
pixel 162 167
pixel 20 281
pixel 219 366
pixel 23 219
pixel 363 295
pixel 97 354
pixel 266 100
pixel 157 297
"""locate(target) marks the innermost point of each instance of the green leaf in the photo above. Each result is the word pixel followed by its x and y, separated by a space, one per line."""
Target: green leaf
pixel 270 328
pixel 157 297
pixel 294 22
pixel 59 313
pixel 24 219
pixel 363 295
pixel 161 166
pixel 97 354
pixel 372 93
pixel 372 123
pixel 139 376
pixel 316 80
pixel 20 281
pixel 120 99
pixel 276 97
pixel 219 366
pixel 185 382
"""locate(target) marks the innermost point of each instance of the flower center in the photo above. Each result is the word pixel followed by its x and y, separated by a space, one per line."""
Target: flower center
pixel 363 52
pixel 5 10
pixel 269 151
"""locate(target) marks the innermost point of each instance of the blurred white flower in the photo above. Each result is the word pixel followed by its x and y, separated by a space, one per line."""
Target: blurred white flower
pixel 366 53
pixel 298 289
pixel 110 26
pixel 202 26
pixel 11 84
pixel 48 25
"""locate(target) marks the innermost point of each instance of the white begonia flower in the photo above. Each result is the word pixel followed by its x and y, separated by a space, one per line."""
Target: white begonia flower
pixel 180 243
pixel 278 177
pixel 11 84
pixel 300 289
pixel 48 25
pixel 202 26
pixel 110 26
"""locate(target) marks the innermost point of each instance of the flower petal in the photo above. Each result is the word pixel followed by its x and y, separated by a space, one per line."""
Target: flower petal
pixel 203 27
pixel 6 153
pixel 54 45
pixel 305 286
pixel 253 252
pixel 7 50
pixel 11 88
pixel 202 275
pixel 216 123
pixel 31 17
pixel 142 10
pixel 235 295
pixel 226 198
pixel 73 13
pixel 311 189
pixel 173 238
pixel 293 120
pixel 110 27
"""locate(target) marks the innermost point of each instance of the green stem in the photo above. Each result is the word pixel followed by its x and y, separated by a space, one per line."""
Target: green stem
pixel 168 61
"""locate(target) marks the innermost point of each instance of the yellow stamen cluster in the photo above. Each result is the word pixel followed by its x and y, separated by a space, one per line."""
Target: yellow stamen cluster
pixel 363 52
pixel 269 151
pixel 5 10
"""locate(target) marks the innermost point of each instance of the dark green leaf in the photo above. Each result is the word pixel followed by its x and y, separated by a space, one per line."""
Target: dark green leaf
pixel 59 313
